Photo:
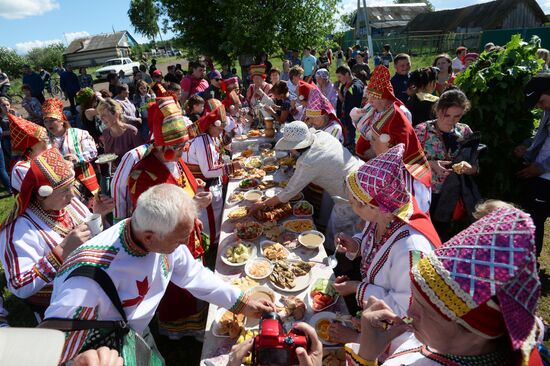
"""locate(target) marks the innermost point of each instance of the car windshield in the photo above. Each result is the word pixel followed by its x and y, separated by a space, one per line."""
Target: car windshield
pixel 113 62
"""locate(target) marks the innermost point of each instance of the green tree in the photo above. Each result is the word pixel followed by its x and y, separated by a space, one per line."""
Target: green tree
pixel 494 85
pixel 427 2
pixel 144 16
pixel 10 62
pixel 225 29
pixel 47 57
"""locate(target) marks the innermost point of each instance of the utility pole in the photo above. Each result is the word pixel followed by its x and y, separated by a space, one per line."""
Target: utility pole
pixel 367 23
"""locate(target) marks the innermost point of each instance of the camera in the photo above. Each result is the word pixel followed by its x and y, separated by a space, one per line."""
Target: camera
pixel 273 346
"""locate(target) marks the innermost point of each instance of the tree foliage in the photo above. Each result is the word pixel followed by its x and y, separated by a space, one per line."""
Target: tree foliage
pixel 144 16
pixel 494 85
pixel 225 29
pixel 10 62
pixel 47 57
pixel 427 2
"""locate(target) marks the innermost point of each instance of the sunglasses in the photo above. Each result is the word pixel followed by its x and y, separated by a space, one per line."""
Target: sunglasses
pixel 217 79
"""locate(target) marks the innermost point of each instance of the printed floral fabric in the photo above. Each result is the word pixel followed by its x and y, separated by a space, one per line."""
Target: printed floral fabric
pixel 434 148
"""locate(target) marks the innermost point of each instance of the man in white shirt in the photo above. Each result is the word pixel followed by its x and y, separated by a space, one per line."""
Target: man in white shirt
pixel 141 255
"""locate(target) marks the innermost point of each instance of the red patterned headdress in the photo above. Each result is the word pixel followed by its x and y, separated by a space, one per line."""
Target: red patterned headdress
pixel 53 108
pixel 25 134
pixel 305 89
pixel 381 182
pixel 257 70
pixel 48 172
pixel 217 118
pixel 380 84
pixel 486 279
pixel 169 127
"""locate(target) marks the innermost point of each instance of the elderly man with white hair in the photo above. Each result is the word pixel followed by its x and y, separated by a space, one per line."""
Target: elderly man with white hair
pixel 141 255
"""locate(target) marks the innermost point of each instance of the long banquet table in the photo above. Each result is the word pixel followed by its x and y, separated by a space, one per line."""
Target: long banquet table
pixel 213 345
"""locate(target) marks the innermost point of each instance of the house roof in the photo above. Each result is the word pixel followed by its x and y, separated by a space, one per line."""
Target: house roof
pixel 96 42
pixel 394 15
pixel 486 16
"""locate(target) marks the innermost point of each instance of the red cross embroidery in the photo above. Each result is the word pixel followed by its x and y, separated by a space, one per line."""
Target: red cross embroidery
pixel 143 288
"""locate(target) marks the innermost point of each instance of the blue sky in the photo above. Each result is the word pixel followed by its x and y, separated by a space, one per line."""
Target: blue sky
pixel 25 24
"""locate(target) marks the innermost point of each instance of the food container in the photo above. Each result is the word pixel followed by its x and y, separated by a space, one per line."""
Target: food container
pixel 311 239
pixel 253 195
pixel 269 132
pixel 268 122
pixel 302 206
pixel 250 266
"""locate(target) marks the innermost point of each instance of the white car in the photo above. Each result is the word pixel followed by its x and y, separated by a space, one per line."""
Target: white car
pixel 114 65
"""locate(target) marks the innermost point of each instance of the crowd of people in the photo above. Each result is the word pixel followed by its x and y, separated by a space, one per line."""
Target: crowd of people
pixel 386 161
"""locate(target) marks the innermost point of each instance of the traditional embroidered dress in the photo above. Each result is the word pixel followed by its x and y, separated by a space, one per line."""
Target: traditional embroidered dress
pixel 394 123
pixel 24 135
pixel 30 234
pixel 257 70
pixel 178 311
pixel 18 173
pixel 486 279
pixel 317 106
pixel 76 142
pixel 204 159
pixel 119 183
pixel 412 352
pixel 380 182
pixel 141 279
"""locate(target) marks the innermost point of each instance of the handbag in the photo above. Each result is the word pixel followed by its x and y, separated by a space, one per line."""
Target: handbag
pixel 115 334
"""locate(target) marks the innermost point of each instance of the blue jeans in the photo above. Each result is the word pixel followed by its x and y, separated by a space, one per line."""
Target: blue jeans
pixel 4 178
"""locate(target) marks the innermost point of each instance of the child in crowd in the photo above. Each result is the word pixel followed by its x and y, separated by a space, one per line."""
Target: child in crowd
pixel 422 84
pixel 400 81
pixel 142 97
pixel 194 107
pixel 31 105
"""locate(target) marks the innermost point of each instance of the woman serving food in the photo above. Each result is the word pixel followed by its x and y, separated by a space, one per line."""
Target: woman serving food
pixel 315 149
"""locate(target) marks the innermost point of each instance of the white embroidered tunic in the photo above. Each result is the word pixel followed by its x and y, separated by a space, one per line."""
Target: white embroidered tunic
pixel 26 250
pixel 141 278
pixel 385 266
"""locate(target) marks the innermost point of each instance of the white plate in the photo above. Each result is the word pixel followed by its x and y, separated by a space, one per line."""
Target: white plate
pixel 320 316
pixel 310 299
pixel 301 283
pixel 297 232
pixel 216 323
pixel 248 162
pixel 229 195
pixel 106 158
pixel 251 262
pixel 272 192
pixel 253 252
pixel 266 243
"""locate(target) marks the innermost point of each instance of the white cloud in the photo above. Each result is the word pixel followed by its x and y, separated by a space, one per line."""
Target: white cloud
pixel 71 36
pixel 19 9
pixel 25 47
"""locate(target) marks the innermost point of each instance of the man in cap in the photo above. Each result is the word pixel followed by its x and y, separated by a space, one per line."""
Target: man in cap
pixel 537 157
